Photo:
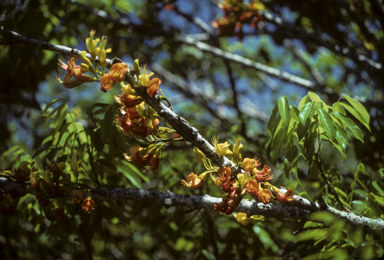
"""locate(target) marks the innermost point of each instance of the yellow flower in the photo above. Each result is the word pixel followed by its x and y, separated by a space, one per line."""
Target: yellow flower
pixel 102 52
pixel 243 178
pixel 91 44
pixel 200 156
pixel 243 219
pixel 193 181
pixel 144 77
pixel 221 148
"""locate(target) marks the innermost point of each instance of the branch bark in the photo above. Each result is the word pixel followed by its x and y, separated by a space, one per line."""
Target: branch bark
pixel 298 209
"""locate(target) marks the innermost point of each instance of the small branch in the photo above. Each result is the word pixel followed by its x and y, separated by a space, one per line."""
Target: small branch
pixel 318 39
pixel 282 75
pixel 312 69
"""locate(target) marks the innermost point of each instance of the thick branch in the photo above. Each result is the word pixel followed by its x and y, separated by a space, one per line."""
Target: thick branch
pixel 298 209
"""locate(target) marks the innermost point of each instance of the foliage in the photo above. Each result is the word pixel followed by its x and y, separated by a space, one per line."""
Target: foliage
pixel 65 142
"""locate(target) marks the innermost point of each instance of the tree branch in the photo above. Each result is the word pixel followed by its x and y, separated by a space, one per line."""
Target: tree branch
pixel 298 209
pixel 282 75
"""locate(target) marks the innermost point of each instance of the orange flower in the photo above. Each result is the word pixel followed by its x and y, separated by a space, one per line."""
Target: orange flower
pixel 73 71
pixel 88 205
pixel 138 156
pixel 264 174
pixel 193 181
pixel 286 197
pixel 252 187
pixel 250 164
pixel 129 101
pixel 224 173
pixel 153 88
pixel 59 214
pixel 118 71
pixel 263 195
pixel 107 82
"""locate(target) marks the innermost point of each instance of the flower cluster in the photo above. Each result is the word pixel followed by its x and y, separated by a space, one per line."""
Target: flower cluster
pixel 52 183
pixel 144 157
pixel 136 118
pixel 235 182
pixel 236 14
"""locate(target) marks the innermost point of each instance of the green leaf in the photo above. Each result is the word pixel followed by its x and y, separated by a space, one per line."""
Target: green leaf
pixel 284 110
pixel 358 207
pixel 41 150
pixel 378 199
pixel 314 97
pixel 360 109
pixel 352 126
pixel 306 111
pixel 303 101
pixel 294 113
pixel 342 134
pixel 273 121
pixel 378 188
pixel 277 143
pixel 106 125
pixel 52 103
pixel 327 123
pixel 356 114
pixel 338 108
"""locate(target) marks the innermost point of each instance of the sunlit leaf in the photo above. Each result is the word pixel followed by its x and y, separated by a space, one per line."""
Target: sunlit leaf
pixel 351 126
pixel 306 111
pixel 284 109
pixel 327 123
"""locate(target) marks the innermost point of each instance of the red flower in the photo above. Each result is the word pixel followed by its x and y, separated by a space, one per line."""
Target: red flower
pixel 88 205
pixel 252 187
pixel 286 197
pixel 224 173
pixel 264 174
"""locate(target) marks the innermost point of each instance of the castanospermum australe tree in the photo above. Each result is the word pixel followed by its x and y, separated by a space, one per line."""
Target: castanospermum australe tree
pixel 140 135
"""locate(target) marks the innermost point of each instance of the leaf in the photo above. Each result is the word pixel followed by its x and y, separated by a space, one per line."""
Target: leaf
pixel 342 135
pixel 303 101
pixel 356 114
pixel 360 109
pixel 52 103
pixel 338 108
pixel 106 125
pixel 284 110
pixel 273 121
pixel 277 143
pixel 294 113
pixel 378 199
pixel 352 126
pixel 306 111
pixel 314 97
pixel 327 123
pixel 358 207
pixel 41 150
pixel 378 188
